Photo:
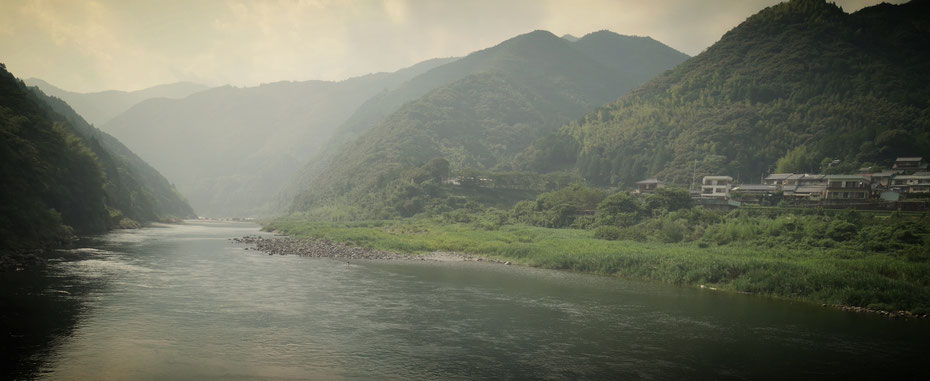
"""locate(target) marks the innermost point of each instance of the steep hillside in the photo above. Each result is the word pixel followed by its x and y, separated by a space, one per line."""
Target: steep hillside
pixel 508 96
pixel 99 107
pixel 58 178
pixel 229 150
pixel 635 60
pixel 133 187
pixel 801 76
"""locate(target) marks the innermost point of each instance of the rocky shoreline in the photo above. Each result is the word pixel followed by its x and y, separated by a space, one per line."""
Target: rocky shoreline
pixel 317 248
pixel 21 260
pixel 883 313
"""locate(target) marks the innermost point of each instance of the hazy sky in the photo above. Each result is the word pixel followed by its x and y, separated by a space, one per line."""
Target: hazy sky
pixel 129 44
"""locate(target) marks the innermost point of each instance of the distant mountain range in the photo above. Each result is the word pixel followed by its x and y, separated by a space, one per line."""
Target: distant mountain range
pixel 800 80
pixel 63 176
pixel 229 149
pixel 797 85
pixel 479 112
pixel 99 107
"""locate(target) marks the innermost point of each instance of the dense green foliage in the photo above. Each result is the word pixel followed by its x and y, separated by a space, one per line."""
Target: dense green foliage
pixel 133 188
pixel 845 258
pixel 57 181
pixel 51 179
pixel 792 88
pixel 798 74
pixel 513 94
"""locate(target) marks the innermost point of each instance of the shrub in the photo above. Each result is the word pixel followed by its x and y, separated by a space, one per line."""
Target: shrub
pixel 607 232
pixel 673 231
pixel 841 231
pixel 583 222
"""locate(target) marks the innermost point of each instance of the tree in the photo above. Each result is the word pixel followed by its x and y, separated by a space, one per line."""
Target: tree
pixel 670 199
pixel 798 160
pixel 620 209
pixel 438 168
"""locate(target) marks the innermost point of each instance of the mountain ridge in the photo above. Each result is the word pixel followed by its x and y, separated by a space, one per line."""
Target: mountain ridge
pixel 101 106
pixel 62 176
pixel 503 97
pixel 800 73
pixel 232 148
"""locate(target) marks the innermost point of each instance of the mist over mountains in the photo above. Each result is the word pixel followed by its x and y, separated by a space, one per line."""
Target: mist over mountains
pixel 229 149
pixel 799 77
pixel 99 107
pixel 486 108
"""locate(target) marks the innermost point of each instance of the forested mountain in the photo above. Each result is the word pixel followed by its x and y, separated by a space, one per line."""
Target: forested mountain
pixel 99 107
pixel 506 97
pixel 62 176
pixel 634 58
pixel 133 187
pixel 229 150
pixel 800 80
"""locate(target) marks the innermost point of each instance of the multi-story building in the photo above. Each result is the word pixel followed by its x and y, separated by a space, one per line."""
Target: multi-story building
pixel 716 186
pixel 916 183
pixel 847 187
pixel 909 165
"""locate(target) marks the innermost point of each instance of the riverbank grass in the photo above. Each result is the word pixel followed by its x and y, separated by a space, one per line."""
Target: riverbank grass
pixel 836 276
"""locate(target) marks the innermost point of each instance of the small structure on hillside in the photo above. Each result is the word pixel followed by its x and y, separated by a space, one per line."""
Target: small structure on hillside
pixel 916 183
pixel 753 193
pixel 776 179
pixel 809 180
pixel 909 165
pixel 649 186
pixel 716 186
pixel 761 189
pixel 890 196
pixel 809 192
pixel 882 179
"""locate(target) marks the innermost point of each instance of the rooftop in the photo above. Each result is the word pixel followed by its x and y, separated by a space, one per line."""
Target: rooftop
pixel 810 189
pixel 756 187
pixel 909 159
pixel 808 176
pixel 778 176
pixel 845 177
pixel 913 177
pixel 650 181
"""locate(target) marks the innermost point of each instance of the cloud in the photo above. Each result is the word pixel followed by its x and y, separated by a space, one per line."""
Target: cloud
pixel 116 44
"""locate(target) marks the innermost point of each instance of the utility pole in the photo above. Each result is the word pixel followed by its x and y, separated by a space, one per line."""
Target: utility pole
pixel 693 175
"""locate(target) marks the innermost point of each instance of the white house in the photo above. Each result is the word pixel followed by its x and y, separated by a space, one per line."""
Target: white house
pixel 716 186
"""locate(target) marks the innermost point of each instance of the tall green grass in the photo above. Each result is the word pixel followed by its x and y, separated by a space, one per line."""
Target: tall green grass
pixel 781 268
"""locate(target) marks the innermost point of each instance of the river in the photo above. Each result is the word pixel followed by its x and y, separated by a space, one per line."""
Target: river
pixel 182 302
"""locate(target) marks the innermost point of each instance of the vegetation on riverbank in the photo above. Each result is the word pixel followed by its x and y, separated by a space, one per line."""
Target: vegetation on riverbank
pixel 843 258
pixel 61 177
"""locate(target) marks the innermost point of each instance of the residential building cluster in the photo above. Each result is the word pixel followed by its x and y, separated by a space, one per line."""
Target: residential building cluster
pixel 909 175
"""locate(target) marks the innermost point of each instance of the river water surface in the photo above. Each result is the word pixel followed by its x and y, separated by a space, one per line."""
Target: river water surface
pixel 183 302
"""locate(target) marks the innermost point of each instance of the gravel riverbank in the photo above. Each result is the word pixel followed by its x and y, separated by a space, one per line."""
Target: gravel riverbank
pixel 317 248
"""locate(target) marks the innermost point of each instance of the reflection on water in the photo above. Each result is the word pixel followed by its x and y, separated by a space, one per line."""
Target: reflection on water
pixel 182 302
pixel 38 311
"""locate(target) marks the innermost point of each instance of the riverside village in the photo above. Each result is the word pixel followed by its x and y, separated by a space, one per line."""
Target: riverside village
pixel 903 187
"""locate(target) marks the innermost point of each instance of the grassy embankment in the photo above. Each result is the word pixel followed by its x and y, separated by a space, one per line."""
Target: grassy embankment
pixel 766 255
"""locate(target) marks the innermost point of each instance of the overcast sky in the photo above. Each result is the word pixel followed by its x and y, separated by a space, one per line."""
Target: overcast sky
pixel 129 44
